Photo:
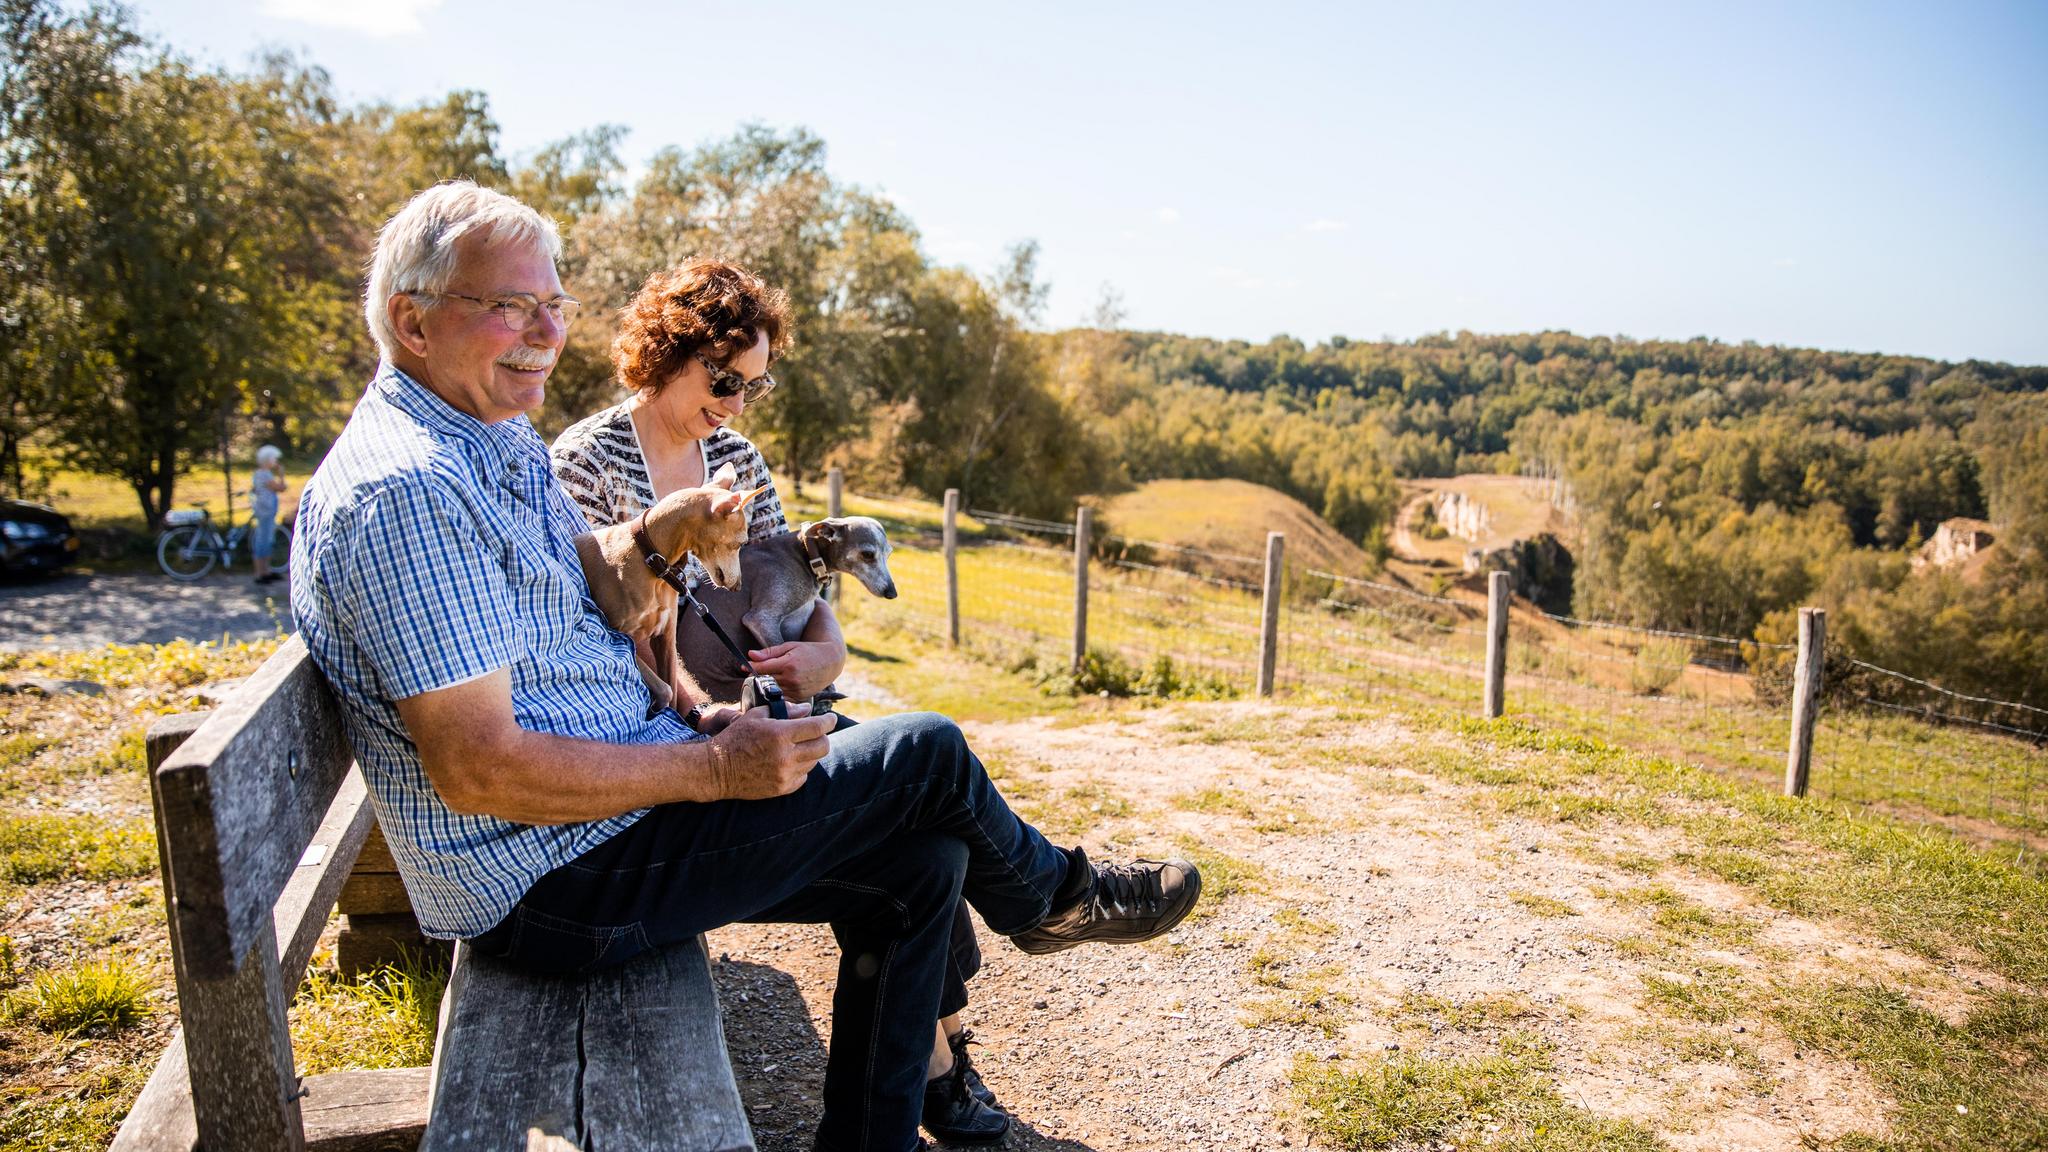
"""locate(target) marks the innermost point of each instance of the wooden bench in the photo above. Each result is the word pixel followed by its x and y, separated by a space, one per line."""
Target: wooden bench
pixel 260 816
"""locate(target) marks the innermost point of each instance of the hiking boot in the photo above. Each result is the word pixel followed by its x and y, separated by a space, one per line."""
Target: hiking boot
pixel 1114 904
pixel 953 1113
pixel 964 1065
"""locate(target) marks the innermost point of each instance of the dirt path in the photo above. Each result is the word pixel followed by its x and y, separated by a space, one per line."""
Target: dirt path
pixel 1373 902
pixel 1403 542
pixel 87 611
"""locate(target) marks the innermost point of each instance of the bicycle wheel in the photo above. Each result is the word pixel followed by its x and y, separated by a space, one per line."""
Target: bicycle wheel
pixel 185 553
pixel 281 548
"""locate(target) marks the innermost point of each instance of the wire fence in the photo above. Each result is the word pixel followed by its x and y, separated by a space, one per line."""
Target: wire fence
pixel 1173 620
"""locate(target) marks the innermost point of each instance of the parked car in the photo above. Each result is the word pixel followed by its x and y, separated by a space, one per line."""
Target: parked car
pixel 34 538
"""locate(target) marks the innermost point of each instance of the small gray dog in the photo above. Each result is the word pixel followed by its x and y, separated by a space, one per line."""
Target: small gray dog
pixel 782 574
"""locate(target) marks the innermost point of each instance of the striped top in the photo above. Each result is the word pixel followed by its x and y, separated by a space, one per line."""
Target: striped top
pixel 433 549
pixel 601 467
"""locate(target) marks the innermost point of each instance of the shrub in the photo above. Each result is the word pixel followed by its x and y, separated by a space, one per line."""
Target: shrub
pixel 1659 664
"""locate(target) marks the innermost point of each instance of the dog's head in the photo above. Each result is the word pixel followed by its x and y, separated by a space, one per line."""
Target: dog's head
pixel 714 536
pixel 857 546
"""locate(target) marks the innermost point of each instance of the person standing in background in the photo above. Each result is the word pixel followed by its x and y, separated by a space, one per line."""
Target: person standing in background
pixel 264 487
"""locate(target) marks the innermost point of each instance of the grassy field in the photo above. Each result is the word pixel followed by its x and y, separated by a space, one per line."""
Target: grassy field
pixel 1230 518
pixel 1375 642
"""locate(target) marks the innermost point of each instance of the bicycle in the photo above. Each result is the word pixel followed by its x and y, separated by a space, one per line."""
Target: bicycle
pixel 190 545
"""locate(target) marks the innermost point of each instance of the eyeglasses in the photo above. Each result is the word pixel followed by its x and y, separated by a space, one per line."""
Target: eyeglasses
pixel 519 310
pixel 725 382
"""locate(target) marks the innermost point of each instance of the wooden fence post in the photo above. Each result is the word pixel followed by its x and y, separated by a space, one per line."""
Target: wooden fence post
pixel 1084 531
pixel 835 484
pixel 1269 616
pixel 1499 593
pixel 952 567
pixel 1813 635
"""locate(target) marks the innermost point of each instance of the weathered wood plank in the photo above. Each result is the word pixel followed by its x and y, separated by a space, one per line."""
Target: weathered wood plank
pixel 383 1110
pixel 632 1058
pixel 374 894
pixel 241 799
pixel 378 1110
pixel 376 853
pixel 367 942
pixel 656 1073
pixel 507 1059
pixel 324 867
pixel 237 1047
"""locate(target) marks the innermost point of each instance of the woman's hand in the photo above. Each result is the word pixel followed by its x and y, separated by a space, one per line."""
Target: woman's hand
pixel 803 668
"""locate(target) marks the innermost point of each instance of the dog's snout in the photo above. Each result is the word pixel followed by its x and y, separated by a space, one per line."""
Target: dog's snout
pixel 889 593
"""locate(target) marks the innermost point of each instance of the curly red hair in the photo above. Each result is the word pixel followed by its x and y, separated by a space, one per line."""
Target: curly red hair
pixel 704 306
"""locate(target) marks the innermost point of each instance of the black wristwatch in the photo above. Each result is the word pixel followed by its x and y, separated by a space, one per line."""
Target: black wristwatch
pixel 695 717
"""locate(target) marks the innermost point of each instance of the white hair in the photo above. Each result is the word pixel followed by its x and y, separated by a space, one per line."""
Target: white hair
pixel 416 248
pixel 268 455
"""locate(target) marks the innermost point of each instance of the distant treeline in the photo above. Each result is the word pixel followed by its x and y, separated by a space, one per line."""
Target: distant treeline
pixel 1715 487
pixel 182 251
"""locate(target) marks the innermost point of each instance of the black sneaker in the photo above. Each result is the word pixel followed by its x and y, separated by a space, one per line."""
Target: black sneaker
pixel 963 1064
pixel 954 1114
pixel 1119 904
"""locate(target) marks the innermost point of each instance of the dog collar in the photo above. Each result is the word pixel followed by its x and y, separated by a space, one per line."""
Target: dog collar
pixel 818 570
pixel 669 572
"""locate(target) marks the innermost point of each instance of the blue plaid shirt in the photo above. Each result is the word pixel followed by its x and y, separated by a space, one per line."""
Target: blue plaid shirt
pixel 431 549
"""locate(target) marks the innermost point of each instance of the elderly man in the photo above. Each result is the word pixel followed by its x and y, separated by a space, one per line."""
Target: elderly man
pixel 533 804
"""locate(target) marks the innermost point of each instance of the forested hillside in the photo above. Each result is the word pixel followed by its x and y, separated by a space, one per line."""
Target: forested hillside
pixel 1713 487
pixel 183 249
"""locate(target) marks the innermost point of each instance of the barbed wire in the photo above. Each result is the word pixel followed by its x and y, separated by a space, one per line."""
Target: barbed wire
pixel 1951 718
pixel 1664 633
pixel 1183 550
pixel 1021 523
pixel 1932 687
pixel 1393 588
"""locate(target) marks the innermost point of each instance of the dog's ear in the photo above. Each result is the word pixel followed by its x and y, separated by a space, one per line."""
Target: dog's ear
pixel 725 477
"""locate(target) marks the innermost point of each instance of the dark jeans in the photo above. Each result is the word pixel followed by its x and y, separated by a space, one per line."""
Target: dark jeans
pixel 963 956
pixel 891 829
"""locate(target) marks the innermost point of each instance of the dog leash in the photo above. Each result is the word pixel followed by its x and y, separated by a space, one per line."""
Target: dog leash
pixel 670 572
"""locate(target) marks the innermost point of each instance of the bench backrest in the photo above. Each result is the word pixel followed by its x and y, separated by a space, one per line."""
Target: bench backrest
pixel 240 796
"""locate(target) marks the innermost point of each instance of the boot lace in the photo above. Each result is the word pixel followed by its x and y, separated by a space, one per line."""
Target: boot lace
pixel 1129 889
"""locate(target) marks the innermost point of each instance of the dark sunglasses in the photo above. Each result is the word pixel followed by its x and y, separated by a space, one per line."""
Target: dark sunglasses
pixel 725 382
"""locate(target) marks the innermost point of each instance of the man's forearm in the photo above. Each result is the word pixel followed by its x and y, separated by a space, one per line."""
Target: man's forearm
pixel 537 778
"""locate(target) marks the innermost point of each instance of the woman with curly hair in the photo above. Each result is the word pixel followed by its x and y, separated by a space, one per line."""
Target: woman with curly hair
pixel 694 349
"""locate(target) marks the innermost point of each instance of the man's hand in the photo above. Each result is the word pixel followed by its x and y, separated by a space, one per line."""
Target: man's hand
pixel 802 667
pixel 755 757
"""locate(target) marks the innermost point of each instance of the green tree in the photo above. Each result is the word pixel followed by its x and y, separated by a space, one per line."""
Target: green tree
pixel 208 271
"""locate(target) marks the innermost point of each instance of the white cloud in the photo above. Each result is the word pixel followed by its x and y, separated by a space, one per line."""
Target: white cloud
pixel 1169 215
pixel 371 17
pixel 1326 225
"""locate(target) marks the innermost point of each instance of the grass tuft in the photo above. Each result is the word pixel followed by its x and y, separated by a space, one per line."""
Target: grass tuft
pixel 385 1019
pixel 1546 906
pixel 99 996
pixel 1501 1101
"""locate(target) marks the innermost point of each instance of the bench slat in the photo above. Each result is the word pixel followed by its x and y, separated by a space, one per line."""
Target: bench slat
pixel 631 1058
pixel 243 797
pixel 382 1110
pixel 310 894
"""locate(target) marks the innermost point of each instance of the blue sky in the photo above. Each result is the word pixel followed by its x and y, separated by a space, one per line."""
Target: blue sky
pixel 1858 176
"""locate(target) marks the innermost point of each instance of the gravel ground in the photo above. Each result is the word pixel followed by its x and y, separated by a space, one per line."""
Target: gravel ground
pixel 1150 1049
pixel 79 610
